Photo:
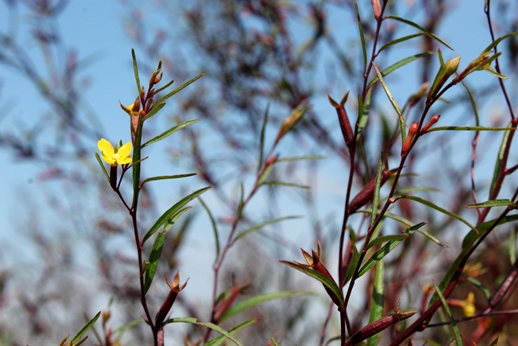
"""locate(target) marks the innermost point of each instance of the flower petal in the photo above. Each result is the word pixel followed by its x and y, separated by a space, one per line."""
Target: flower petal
pixel 124 151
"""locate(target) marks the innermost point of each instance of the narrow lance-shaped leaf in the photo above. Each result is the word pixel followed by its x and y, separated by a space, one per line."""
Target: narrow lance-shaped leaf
pixel 420 28
pixel 155 109
pixel 261 139
pixel 256 300
pixel 169 132
pixel 498 164
pixel 192 320
pixel 386 249
pixel 86 328
pixel 498 40
pixel 387 91
pixel 102 166
pixel 376 312
pixel 214 227
pixel 453 323
pixel 492 203
pixel 399 64
pixel 467 243
pixel 167 177
pixel 377 188
pixel 439 209
pixel 135 70
pixel 180 88
pixel 154 258
pixel 172 211
pixel 399 40
pixel 222 338
pixel 362 37
pixel 261 225
pixel 282 183
pixel 136 163
pixel 363 111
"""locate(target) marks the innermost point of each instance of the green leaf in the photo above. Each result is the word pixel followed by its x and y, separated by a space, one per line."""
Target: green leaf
pixel 436 207
pixel 386 249
pixel 362 37
pixel 282 183
pixel 102 166
pixel 467 128
pixel 169 132
pixel 261 225
pixel 221 339
pixel 363 111
pixel 387 91
pixel 165 86
pixel 275 342
pixel 214 226
pixel 387 238
pixel 135 70
pixel 420 28
pixel 254 301
pixel 472 236
pixel 377 187
pixel 352 265
pixel 479 285
pixel 327 282
pixel 300 158
pixel 453 323
pixel 136 163
pixel 151 267
pixel 473 102
pixel 467 243
pixel 261 139
pixel 170 213
pixel 499 160
pixel 180 88
pixel 85 328
pixel 166 177
pixel 154 110
pixel 192 320
pixel 399 40
pixel 492 203
pixel 376 301
pixel 399 64
pixel 266 172
pixel 498 40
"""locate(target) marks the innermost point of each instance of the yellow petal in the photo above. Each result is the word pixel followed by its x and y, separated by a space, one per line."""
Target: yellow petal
pixel 105 147
pixel 107 150
pixel 125 150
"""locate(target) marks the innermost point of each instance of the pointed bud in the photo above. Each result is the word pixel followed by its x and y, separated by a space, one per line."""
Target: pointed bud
pixel 419 95
pixel 343 119
pixel 376 9
pixel 378 326
pixel 432 121
pixel 175 289
pixel 411 134
pixel 445 72
pixel 292 120
pixel 367 193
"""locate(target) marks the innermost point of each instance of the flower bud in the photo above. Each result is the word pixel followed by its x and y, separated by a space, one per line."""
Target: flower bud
pixel 411 134
pixel 367 193
pixel 343 119
pixel 376 9
pixel 432 121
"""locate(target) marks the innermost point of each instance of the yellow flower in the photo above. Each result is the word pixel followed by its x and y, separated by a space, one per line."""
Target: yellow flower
pixel 113 155
pixel 468 305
